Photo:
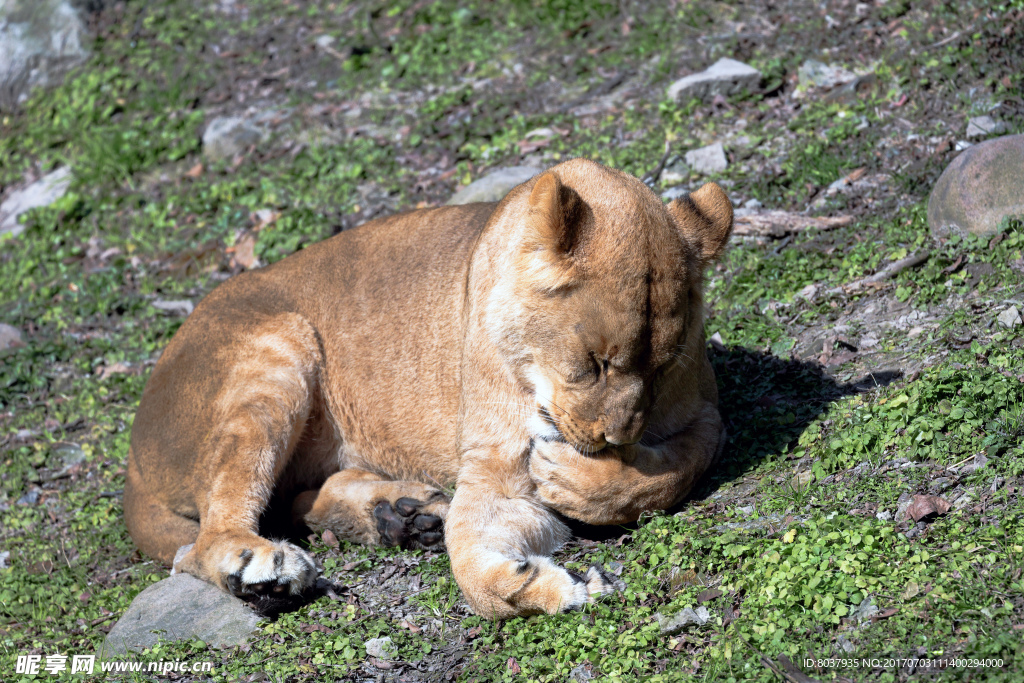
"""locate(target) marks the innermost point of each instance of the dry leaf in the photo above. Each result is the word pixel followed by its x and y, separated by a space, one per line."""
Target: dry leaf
pixel 923 506
pixel 105 371
pixel 195 171
pixel 243 254
pixel 512 666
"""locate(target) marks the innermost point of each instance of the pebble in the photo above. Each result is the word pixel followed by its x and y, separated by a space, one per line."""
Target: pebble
pixel 708 160
pixel 982 126
pixel 1010 317
pixel 818 74
pixel 382 648
pixel 42 192
pixel 183 307
pixel 10 337
pixel 671 625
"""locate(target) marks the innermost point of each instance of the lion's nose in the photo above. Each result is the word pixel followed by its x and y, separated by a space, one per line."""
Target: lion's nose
pixel 626 429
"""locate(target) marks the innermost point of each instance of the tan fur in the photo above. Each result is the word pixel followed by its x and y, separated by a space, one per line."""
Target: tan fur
pixel 544 354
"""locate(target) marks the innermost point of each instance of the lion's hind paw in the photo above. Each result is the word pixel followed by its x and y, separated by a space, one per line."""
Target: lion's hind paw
pixel 409 523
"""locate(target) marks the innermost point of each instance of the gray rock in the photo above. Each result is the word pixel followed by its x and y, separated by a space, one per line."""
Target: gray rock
pixel 883 516
pixel 5 558
pixel 902 504
pixel 494 186
pixel 671 625
pixel 382 648
pixel 981 126
pixel 181 608
pixel 980 188
pixel 675 192
pixel 43 192
pixel 845 644
pixel 966 499
pixel 724 77
pixel 10 337
pixel 40 40
pixel 183 307
pixel 227 137
pixel 708 160
pixel 818 74
pixel 1010 317
pixel 865 610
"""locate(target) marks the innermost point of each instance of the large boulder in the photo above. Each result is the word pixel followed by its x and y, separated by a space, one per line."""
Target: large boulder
pixel 494 186
pixel 40 40
pixel 980 188
pixel 181 608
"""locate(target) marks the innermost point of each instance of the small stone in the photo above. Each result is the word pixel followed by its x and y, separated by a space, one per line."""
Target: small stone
pixel 979 188
pixel 724 77
pixel 802 480
pixel 675 173
pixel 42 192
pixel 752 204
pixel 30 498
pixel 493 186
pixel 183 307
pixel 582 673
pixel 883 516
pixel 979 462
pixel 227 137
pixel 708 160
pixel 675 192
pixel 820 75
pixel 181 607
pixel 902 504
pixel 845 645
pixel 382 648
pixel 1010 317
pixel 745 510
pixel 5 558
pixel 324 41
pixel 10 337
pixel 865 610
pixel 671 625
pixel 966 499
pixel 981 126
pixel 961 145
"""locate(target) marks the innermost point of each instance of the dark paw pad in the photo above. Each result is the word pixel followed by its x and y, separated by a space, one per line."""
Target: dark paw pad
pixel 404 526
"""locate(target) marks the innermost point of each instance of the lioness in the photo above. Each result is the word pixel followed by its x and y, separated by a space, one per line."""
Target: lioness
pixel 545 353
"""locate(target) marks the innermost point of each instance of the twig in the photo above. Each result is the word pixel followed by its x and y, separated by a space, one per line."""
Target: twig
pixel 889 271
pixel 651 178
pixel 781 223
pixel 944 41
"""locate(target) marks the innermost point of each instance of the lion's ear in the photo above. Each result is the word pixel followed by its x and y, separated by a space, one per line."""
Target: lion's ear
pixel 549 228
pixel 704 218
pixel 552 222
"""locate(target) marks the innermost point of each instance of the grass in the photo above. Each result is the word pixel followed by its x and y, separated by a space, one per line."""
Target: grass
pixel 787 542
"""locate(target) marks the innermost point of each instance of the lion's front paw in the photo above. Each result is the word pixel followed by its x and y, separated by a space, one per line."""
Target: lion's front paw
pixel 412 523
pixel 252 566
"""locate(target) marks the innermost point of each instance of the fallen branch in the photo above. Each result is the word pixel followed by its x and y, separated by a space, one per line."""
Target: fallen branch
pixel 781 223
pixel 889 271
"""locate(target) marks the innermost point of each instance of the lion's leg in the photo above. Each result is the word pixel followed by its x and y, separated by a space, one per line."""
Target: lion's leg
pixel 156 529
pixel 500 541
pixel 360 507
pixel 262 411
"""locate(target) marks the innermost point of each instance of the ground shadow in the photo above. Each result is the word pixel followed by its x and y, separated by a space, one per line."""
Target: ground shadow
pixel 766 403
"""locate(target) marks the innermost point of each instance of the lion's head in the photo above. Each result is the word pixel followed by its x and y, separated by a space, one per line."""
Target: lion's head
pixel 602 295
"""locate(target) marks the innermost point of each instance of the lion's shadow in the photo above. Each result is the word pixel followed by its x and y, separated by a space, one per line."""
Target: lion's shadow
pixel 766 403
